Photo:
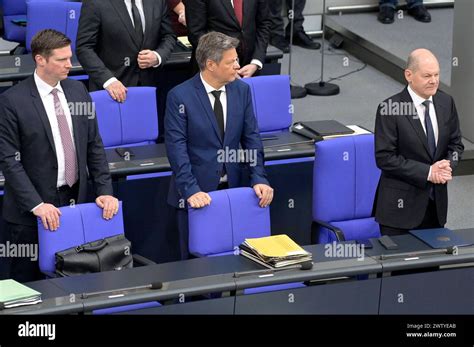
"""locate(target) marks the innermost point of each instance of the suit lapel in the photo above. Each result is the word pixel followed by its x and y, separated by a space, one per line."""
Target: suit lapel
pixel 228 6
pixel 232 107
pixel 414 119
pixel 441 118
pixel 38 103
pixel 204 100
pixel 123 14
pixel 148 11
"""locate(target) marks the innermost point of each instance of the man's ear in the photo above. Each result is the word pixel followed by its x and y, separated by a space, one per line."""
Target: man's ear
pixel 408 75
pixel 40 60
pixel 210 65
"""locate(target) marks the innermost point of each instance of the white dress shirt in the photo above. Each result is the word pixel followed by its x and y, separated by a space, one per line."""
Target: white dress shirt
pixel 47 98
pixel 139 4
pixel 420 109
pixel 44 90
pixel 212 99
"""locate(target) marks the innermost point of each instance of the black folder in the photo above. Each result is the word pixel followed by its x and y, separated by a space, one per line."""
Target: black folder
pixel 323 127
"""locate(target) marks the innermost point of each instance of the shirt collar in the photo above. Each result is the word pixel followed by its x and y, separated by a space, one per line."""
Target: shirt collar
pixel 44 88
pixel 418 100
pixel 210 88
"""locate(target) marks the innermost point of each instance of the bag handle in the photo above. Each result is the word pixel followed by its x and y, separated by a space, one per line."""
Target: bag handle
pixel 89 248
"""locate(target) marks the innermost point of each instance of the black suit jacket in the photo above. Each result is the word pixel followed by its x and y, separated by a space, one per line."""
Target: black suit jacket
pixel 203 16
pixel 107 45
pixel 401 150
pixel 28 156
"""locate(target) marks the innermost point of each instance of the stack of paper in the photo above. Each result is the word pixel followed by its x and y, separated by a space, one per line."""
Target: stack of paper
pixel 274 251
pixel 14 294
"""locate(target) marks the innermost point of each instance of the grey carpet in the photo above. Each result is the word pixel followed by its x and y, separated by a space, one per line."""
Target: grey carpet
pixel 406 34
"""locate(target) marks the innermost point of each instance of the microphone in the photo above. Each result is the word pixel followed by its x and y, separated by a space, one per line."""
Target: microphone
pixel 449 250
pixel 307 265
pixel 122 291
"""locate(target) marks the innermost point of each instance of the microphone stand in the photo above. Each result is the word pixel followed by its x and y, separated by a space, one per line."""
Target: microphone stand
pixel 322 88
pixel 297 92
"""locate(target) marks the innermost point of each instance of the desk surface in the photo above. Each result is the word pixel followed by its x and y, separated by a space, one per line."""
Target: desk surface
pixel 212 274
pixel 19 67
pixel 152 158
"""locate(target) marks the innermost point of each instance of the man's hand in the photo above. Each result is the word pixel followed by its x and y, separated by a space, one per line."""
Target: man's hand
pixel 247 70
pixel 147 59
pixel 200 199
pixel 264 193
pixel 182 18
pixel 441 172
pixel 117 91
pixel 49 215
pixel 109 204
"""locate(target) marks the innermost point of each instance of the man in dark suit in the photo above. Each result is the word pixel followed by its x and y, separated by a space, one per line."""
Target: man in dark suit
pixel 206 117
pixel 121 42
pixel 246 20
pixel 49 145
pixel 417 145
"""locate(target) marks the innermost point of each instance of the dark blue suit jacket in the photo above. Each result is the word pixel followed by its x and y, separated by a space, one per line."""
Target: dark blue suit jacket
pixel 25 133
pixel 193 141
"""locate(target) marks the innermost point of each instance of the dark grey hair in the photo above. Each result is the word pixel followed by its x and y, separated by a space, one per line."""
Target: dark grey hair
pixel 212 46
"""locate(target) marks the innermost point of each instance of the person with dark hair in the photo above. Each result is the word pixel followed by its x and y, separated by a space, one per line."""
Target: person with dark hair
pixel 280 38
pixel 415 8
pixel 207 115
pixel 418 143
pixel 120 43
pixel 249 23
pixel 49 146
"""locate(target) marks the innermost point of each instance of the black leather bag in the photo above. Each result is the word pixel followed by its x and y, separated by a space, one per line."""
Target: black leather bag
pixel 111 253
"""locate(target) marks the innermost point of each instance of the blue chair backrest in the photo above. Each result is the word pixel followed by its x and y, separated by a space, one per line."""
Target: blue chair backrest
pixel 271 98
pixel 79 224
pixel 132 123
pixel 60 15
pixel 232 216
pixel 344 183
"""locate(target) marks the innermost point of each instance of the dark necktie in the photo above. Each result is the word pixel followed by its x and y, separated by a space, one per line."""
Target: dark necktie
pixel 431 138
pixel 219 111
pixel 137 21
pixel 70 160
pixel 239 12
pixel 429 129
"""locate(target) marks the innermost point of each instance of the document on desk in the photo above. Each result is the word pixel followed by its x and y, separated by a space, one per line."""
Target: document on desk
pixel 274 251
pixel 14 294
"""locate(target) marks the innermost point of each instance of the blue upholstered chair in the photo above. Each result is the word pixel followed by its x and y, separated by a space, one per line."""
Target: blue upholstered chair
pixel 232 216
pixel 79 224
pixel 271 99
pixel 131 123
pixel 344 184
pixel 60 15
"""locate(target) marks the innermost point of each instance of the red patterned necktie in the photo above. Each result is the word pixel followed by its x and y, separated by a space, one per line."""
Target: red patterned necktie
pixel 70 160
pixel 239 12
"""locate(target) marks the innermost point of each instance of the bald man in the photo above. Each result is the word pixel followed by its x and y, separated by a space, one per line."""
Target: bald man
pixel 417 146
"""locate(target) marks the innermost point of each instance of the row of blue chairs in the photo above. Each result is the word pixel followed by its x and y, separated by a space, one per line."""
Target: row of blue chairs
pixel 135 121
pixel 343 192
